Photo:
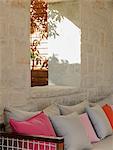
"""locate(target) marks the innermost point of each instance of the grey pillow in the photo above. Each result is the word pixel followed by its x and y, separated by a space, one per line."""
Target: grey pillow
pixel 107 100
pixel 52 110
pixel 70 127
pixel 16 114
pixel 99 121
pixel 79 108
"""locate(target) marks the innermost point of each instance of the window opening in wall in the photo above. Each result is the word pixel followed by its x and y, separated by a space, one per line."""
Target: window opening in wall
pixel 56 38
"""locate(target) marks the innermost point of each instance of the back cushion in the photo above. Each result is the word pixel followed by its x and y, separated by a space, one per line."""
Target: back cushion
pixel 79 108
pixel 37 125
pixel 52 110
pixel 16 114
pixel 109 113
pixel 89 128
pixel 107 100
pixel 111 107
pixel 71 128
pixel 99 121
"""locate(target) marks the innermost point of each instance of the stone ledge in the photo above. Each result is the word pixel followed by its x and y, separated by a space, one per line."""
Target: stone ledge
pixel 53 91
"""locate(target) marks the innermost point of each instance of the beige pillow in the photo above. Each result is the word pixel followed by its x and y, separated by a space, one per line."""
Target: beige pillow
pixel 107 100
pixel 52 110
pixel 79 108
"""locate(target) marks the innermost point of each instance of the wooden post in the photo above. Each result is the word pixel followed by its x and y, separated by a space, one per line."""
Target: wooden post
pixel 60 146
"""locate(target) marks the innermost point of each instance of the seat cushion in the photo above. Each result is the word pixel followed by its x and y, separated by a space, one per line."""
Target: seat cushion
pixel 105 144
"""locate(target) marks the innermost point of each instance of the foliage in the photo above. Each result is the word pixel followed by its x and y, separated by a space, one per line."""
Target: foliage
pixel 38 14
pixel 44 22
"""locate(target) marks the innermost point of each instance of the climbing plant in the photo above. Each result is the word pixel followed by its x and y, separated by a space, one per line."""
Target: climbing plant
pixel 44 21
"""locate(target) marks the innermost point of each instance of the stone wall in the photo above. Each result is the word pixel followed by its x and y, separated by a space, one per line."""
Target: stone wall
pixel 14 50
pixel 96 49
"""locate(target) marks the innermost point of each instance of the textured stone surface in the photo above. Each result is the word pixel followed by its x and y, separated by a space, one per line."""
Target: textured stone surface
pixel 96 50
pixel 97 47
pixel 14 51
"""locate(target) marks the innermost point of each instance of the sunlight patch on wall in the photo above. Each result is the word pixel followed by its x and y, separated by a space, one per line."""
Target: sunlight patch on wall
pixel 65 55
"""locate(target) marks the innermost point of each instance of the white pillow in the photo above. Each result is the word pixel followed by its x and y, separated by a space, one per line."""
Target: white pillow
pixel 71 128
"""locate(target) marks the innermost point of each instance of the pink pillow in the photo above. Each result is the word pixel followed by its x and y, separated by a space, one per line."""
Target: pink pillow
pixel 111 106
pixel 89 128
pixel 36 125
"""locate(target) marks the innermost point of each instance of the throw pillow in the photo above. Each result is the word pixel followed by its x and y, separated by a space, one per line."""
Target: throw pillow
pixel 99 121
pixel 71 128
pixel 106 100
pixel 109 113
pixel 52 110
pixel 89 128
pixel 111 107
pixel 16 114
pixel 79 108
pixel 37 125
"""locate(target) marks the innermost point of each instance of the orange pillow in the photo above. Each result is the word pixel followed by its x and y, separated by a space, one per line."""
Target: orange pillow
pixel 109 113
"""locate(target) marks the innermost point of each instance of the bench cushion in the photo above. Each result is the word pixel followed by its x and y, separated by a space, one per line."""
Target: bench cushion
pixel 105 144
